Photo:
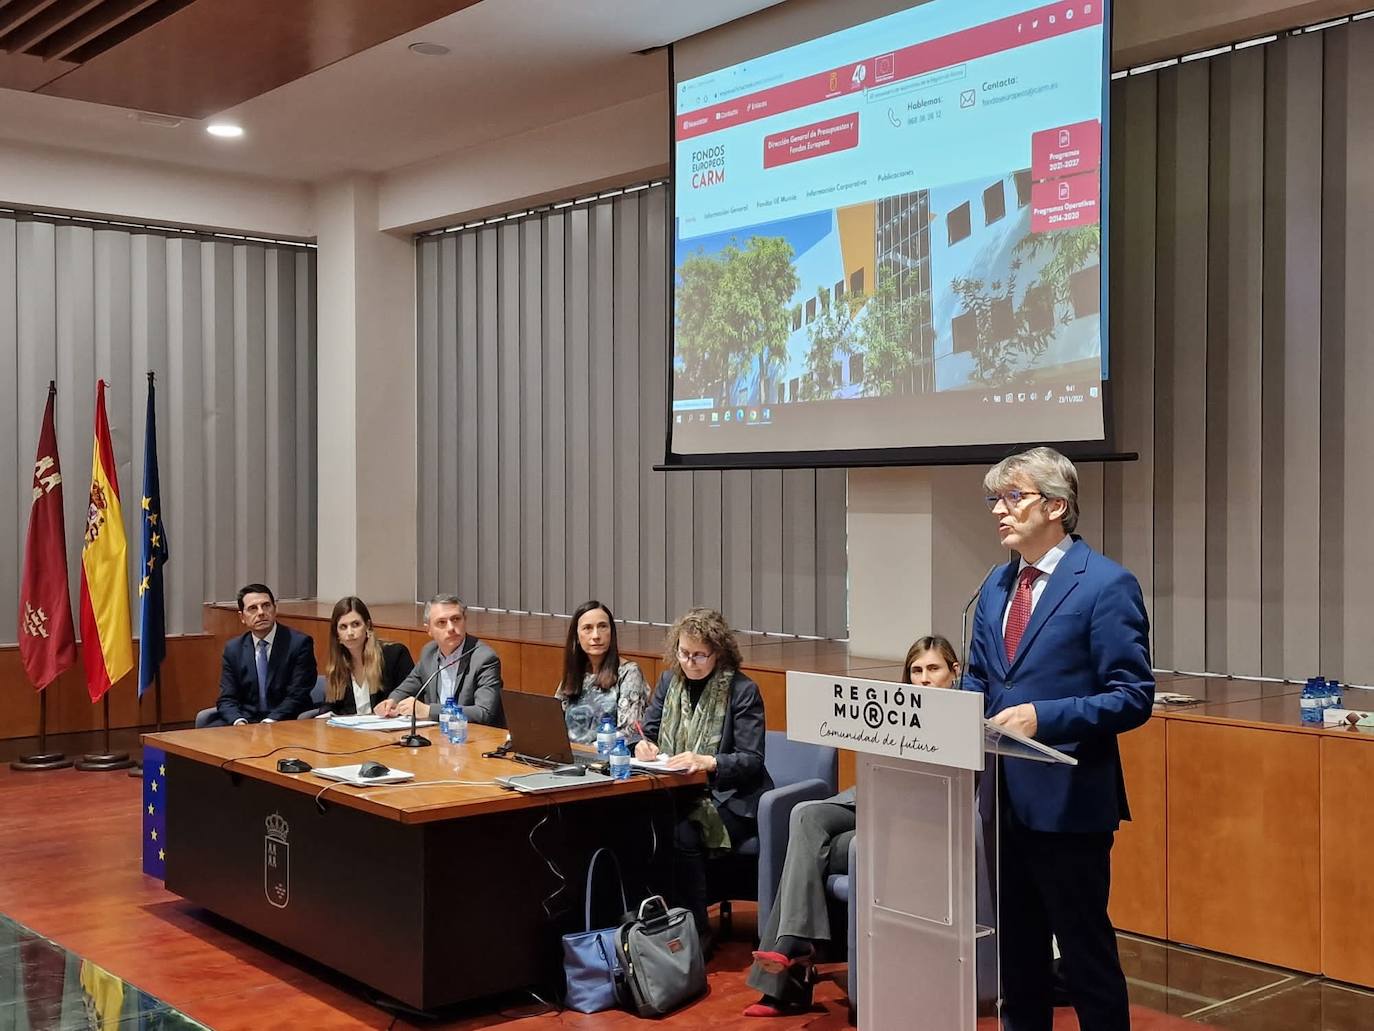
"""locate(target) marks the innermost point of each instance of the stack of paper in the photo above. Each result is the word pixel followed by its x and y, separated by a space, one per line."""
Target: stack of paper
pixel 376 722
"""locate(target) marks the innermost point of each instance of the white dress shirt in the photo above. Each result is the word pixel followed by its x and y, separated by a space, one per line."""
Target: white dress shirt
pixel 270 638
pixel 448 673
pixel 1047 564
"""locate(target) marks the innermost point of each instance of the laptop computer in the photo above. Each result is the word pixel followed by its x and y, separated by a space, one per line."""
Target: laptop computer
pixel 538 731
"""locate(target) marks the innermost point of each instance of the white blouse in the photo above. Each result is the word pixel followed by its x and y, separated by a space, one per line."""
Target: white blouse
pixel 361 699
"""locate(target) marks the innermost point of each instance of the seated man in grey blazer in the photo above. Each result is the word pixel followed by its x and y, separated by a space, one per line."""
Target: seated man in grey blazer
pixel 467 670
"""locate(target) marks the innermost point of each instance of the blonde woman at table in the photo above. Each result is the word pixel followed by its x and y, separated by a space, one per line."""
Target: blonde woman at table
pixel 596 680
pixel 363 668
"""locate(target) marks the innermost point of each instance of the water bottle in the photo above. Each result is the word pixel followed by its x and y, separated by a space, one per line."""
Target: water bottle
pixel 620 760
pixel 1310 703
pixel 1323 697
pixel 458 726
pixel 446 717
pixel 605 735
pixel 1334 697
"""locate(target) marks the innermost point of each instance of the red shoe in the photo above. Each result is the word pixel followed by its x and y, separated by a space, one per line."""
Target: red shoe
pixel 763 1009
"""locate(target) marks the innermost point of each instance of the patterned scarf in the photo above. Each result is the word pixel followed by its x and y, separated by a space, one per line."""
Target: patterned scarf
pixel 687 729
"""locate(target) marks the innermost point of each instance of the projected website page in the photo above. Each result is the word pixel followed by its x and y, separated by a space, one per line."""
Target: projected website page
pixel 891 236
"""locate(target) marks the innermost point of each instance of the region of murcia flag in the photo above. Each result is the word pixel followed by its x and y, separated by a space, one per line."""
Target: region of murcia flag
pixel 106 637
pixel 47 642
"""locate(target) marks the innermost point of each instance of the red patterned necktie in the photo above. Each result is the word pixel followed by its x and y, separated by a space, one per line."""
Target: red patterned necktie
pixel 1020 612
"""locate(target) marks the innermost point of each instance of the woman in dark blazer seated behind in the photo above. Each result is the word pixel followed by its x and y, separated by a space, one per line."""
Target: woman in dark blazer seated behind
pixel 706 716
pixel 363 669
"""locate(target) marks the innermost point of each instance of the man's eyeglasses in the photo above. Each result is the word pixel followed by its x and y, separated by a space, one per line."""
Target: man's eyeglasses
pixel 1011 498
pixel 695 658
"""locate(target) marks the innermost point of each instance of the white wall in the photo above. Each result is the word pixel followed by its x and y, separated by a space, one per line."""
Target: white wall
pixel 79 183
pixel 367 421
pixel 615 146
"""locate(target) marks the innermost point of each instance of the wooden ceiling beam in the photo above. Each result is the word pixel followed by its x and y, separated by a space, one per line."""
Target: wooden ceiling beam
pixel 83 30
pixel 16 14
pixel 41 26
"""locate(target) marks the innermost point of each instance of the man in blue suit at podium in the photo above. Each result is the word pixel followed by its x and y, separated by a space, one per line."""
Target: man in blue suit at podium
pixel 1061 651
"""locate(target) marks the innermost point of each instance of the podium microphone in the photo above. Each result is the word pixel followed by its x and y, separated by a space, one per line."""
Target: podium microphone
pixel 413 739
pixel 963 636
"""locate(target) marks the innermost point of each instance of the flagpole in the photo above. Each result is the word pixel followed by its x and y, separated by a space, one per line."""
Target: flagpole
pixel 106 759
pixel 137 769
pixel 42 759
pixel 48 640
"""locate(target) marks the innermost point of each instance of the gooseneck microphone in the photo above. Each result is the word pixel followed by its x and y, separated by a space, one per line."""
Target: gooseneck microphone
pixel 414 739
pixel 963 636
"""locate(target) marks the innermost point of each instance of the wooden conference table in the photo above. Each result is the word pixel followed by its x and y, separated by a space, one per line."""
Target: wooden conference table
pixel 430 893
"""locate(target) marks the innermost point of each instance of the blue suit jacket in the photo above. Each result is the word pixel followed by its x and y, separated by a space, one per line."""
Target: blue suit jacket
pixel 290 676
pixel 1084 662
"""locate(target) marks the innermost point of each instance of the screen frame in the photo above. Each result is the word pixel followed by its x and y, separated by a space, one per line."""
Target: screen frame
pixel 1089 450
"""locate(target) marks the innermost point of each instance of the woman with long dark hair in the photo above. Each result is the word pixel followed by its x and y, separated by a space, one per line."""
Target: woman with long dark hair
pixel 596 680
pixel 363 669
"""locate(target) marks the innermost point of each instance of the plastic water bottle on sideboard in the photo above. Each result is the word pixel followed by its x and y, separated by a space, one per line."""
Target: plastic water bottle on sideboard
pixel 620 760
pixel 458 726
pixel 1311 702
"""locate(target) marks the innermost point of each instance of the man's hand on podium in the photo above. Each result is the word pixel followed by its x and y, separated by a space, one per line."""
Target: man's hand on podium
pixel 1020 718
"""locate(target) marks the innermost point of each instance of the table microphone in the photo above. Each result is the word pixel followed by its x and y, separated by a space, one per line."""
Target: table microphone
pixel 413 739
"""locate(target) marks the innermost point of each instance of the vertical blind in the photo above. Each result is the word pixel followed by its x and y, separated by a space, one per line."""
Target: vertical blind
pixel 229 329
pixel 543 406
pixel 1242 320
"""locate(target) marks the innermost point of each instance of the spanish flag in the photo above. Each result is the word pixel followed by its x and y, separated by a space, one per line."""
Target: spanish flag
pixel 106 638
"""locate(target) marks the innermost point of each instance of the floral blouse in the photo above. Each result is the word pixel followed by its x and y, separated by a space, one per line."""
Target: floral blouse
pixel 627 701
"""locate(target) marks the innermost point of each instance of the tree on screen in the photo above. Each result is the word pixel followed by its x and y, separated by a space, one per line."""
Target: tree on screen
pixel 834 332
pixel 1008 339
pixel 732 315
pixel 1070 250
pixel 887 337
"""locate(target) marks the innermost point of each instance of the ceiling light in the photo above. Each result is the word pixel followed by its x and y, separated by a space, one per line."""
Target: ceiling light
pixel 225 130
pixel 429 49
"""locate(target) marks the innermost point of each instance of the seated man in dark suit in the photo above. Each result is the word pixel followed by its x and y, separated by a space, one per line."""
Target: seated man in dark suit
pixel 268 672
pixel 453 665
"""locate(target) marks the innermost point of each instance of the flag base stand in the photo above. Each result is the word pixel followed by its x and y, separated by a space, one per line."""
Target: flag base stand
pixel 106 760
pixel 41 761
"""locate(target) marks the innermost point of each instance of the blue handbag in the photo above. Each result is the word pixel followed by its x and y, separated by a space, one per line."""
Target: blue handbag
pixel 590 960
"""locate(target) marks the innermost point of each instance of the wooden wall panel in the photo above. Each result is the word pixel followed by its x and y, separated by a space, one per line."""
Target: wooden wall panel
pixel 1347 828
pixel 1243 842
pixel 1139 858
pixel 190 682
pixel 511 666
pixel 541 667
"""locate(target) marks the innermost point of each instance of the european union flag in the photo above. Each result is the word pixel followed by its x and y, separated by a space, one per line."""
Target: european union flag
pixel 152 633
pixel 155 812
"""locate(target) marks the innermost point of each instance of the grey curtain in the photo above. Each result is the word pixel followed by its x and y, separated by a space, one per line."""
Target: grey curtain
pixel 542 387
pixel 229 329
pixel 1242 318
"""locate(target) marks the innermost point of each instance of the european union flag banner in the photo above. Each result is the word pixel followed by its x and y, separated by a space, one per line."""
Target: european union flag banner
pixel 152 632
pixel 155 812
